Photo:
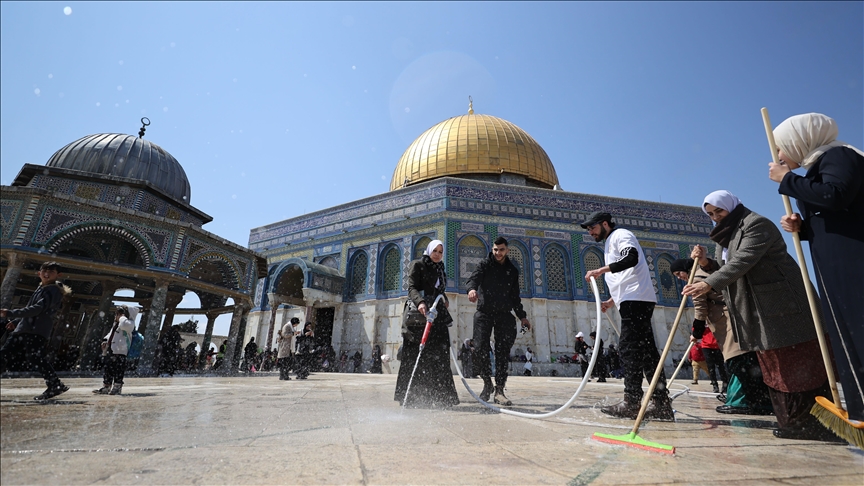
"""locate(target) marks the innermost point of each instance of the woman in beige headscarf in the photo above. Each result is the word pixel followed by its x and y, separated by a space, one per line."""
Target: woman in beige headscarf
pixel 830 199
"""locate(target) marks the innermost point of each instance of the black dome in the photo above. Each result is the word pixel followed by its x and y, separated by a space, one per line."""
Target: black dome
pixel 125 156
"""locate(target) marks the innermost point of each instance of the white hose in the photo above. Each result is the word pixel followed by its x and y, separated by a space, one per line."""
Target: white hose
pixel 569 402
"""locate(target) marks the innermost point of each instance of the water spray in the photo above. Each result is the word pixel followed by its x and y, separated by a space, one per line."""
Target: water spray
pixel 431 314
pixel 569 402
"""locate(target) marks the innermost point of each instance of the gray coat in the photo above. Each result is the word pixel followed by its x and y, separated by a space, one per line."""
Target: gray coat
pixel 763 288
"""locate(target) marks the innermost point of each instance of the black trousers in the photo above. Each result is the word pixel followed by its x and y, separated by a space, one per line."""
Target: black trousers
pixel 716 368
pixel 30 349
pixel 115 369
pixel 638 352
pixel 285 367
pixel 504 328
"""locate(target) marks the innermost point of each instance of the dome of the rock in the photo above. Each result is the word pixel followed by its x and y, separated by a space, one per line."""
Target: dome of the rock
pixel 474 146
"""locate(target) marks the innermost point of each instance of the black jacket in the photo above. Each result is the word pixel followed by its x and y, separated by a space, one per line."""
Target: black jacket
pixel 497 286
pixel 38 316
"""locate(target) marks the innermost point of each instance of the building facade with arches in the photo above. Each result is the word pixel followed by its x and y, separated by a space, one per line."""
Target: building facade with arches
pixel 465 181
pixel 114 210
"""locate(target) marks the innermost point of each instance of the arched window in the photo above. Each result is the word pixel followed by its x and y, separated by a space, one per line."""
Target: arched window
pixel 517 257
pixel 556 276
pixel 592 260
pixel 391 270
pixel 472 250
pixel 420 246
pixel 359 273
pixel 329 262
pixel 668 288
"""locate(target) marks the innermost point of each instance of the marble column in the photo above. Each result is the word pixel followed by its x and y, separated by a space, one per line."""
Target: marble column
pixel 275 302
pixel 154 317
pixel 103 317
pixel 231 362
pixel 208 336
pixel 10 280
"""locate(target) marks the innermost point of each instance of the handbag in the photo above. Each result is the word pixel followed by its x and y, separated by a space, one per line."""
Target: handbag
pixel 411 318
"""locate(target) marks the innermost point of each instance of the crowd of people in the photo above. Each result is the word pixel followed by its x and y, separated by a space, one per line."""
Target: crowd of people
pixel 753 329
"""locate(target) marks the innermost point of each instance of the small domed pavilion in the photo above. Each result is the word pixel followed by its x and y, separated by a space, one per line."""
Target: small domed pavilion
pixel 115 211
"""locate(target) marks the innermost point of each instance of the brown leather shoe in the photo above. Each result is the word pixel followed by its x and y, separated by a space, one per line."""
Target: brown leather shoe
pixel 622 409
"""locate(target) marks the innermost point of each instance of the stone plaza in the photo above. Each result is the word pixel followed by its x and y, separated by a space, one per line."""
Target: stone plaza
pixel 346 429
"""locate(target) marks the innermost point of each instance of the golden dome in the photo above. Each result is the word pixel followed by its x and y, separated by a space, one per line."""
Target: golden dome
pixel 474 145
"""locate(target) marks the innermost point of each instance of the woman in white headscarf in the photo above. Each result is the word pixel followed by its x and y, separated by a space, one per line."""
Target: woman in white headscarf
pixel 766 299
pixel 433 385
pixel 830 199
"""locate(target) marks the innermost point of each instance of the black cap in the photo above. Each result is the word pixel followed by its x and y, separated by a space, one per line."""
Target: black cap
pixel 596 217
pixel 681 265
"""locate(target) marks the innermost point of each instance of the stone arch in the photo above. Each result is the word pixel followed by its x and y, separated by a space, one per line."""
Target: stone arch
pixel 212 261
pixel 288 281
pixel 471 250
pixel 592 259
pixel 144 251
pixel 556 267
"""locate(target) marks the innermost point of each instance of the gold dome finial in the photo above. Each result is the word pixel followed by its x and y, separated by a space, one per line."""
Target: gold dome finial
pixel 470 105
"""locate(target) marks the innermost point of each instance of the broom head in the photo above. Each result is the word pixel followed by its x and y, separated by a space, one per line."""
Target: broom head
pixel 837 421
pixel 634 440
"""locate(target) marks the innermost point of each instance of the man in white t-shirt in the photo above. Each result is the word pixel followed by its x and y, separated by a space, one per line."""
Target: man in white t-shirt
pixel 631 290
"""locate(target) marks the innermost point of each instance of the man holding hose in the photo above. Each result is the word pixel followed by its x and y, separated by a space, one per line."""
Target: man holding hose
pixel 631 290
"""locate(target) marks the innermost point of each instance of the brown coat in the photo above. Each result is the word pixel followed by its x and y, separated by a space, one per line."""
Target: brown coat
pixel 763 288
pixel 712 309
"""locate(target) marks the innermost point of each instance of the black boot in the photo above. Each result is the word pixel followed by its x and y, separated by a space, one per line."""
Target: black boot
pixel 622 409
pixel 487 389
pixel 660 409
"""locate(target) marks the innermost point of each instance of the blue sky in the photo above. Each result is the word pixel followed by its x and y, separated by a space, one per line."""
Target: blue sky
pixel 280 109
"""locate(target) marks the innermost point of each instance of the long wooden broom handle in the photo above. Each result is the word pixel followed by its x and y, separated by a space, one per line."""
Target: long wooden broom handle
pixel 811 296
pixel 647 397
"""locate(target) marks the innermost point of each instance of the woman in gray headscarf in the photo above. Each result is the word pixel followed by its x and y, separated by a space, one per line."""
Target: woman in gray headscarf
pixel 830 199
pixel 766 299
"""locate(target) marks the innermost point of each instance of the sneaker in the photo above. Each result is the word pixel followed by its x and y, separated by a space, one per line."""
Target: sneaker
pixel 622 409
pixel 103 391
pixel 694 382
pixel 487 389
pixel 52 392
pixel 716 388
pixel 502 399
pixel 660 410
pixel 116 390
pixel 722 397
pixel 601 380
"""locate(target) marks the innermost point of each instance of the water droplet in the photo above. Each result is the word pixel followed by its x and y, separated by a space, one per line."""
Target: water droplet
pixel 173 44
pixel 354 67
pixel 101 313
pixel 165 109
pixel 234 196
pixel 407 110
pixel 37 91
pixel 98 104
pixel 67 10
pixel 60 94
pixel 119 88
pixel 121 62
pixel 50 76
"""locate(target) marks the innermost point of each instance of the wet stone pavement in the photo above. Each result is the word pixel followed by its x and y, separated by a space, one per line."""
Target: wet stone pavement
pixel 346 429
